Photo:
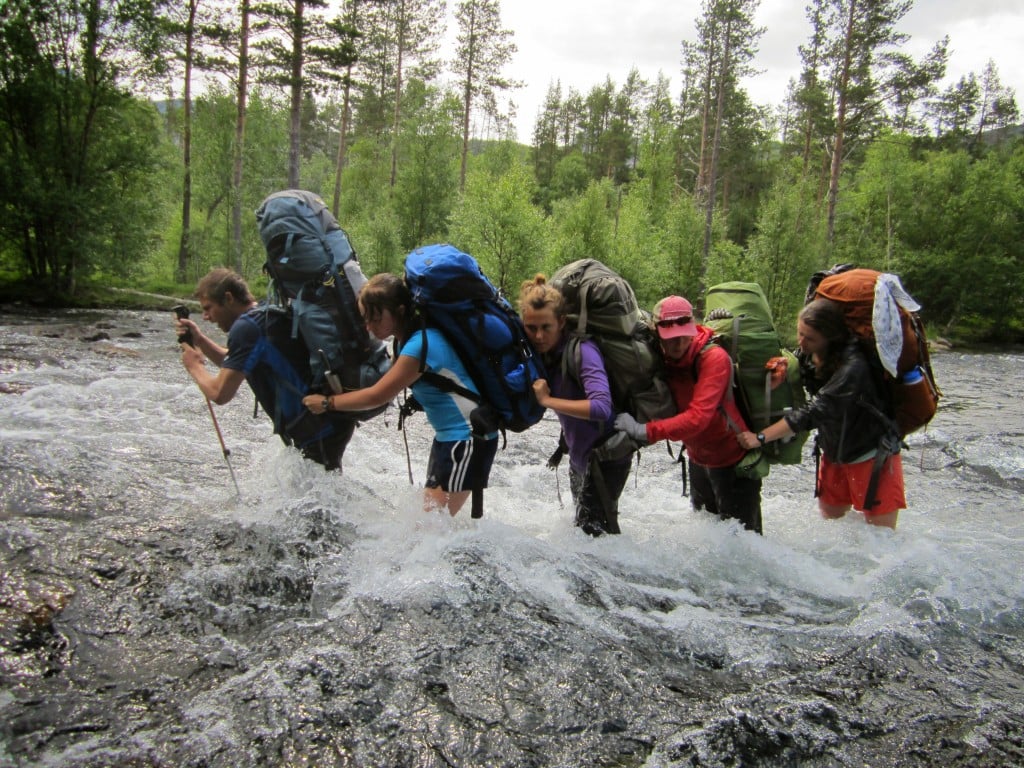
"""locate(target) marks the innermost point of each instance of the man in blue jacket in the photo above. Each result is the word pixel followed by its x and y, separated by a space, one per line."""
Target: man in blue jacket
pixel 260 351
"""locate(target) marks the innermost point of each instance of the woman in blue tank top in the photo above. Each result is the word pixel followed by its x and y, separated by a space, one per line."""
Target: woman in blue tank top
pixel 459 462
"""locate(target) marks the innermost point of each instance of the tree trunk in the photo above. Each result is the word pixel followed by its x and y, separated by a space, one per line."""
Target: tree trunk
pixel 837 149
pixel 397 117
pixel 467 97
pixel 239 148
pixel 184 245
pixel 295 109
pixel 342 146
pixel 712 181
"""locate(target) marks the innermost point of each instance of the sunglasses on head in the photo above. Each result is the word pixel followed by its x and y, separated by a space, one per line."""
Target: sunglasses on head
pixel 674 321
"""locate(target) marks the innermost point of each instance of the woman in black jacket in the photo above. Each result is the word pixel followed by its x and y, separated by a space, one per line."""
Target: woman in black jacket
pixel 860 464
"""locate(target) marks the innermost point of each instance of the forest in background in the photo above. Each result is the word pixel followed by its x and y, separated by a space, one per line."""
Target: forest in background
pixel 139 136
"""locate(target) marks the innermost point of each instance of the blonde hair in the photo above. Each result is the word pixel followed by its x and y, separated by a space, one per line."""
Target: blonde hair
pixel 538 293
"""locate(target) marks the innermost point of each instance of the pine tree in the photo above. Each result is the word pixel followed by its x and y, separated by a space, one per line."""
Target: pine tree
pixel 293 35
pixel 483 49
pixel 850 39
pixel 402 37
pixel 727 43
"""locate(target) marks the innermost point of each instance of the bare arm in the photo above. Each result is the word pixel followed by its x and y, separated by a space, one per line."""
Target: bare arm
pixel 404 372
pixel 777 431
pixel 220 388
pixel 579 409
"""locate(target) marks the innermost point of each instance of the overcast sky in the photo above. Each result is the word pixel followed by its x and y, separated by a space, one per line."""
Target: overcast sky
pixel 580 42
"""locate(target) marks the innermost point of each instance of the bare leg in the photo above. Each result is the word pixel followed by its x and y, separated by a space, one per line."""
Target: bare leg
pixel 833 511
pixel 435 498
pixel 888 519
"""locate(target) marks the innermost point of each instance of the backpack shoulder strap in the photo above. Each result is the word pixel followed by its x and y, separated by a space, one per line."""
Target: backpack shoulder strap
pixel 445 384
pixel 572 357
pixel 714 341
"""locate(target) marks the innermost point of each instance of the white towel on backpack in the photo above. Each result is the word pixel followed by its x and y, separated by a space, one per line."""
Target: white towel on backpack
pixel 885 318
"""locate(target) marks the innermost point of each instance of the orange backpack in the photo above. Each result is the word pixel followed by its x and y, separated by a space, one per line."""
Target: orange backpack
pixel 912 390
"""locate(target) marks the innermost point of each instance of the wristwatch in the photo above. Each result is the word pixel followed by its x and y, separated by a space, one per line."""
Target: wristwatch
pixel 760 437
pixel 327 404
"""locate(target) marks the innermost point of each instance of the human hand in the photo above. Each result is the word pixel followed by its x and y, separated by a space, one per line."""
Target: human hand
pixel 541 391
pixel 185 328
pixel 316 403
pixel 747 440
pixel 637 431
pixel 191 357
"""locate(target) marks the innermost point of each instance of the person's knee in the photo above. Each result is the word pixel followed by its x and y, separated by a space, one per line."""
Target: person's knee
pixel 833 511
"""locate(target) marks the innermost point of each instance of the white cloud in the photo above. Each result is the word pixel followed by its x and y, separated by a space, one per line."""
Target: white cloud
pixel 581 42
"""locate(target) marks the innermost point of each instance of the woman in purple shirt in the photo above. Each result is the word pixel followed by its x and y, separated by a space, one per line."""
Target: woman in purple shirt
pixel 584 408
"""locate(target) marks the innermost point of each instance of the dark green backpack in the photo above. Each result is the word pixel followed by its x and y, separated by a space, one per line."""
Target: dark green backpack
pixel 601 305
pixel 766 377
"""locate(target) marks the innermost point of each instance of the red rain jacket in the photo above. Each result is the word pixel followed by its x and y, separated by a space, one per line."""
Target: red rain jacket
pixel 700 424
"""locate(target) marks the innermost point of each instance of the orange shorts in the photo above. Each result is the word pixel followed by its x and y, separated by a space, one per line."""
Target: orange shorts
pixel 847 484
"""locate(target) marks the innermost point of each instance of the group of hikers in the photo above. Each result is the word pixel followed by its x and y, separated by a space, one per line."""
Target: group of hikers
pixel 578 344
pixel 717 438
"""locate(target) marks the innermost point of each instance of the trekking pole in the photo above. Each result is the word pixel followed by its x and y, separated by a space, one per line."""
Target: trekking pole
pixel 186 338
pixel 405 409
pixel 224 449
pixel 408 459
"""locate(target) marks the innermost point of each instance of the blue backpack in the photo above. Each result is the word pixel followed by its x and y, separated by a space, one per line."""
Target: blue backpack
pixel 451 293
pixel 315 273
pixel 277 370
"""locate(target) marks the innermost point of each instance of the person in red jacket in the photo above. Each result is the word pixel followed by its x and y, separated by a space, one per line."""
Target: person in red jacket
pixel 699 375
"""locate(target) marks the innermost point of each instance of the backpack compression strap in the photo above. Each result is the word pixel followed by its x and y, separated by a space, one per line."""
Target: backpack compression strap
pixel 888 445
pixel 441 381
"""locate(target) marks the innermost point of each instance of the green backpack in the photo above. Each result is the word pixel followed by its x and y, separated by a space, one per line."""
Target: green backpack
pixel 766 377
pixel 601 305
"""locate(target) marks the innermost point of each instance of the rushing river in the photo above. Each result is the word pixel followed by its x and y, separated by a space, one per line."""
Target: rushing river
pixel 151 617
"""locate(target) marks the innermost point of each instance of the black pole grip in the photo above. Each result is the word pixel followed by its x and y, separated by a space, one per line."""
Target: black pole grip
pixel 186 336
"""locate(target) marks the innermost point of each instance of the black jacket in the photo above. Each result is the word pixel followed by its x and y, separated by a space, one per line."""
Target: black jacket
pixel 848 410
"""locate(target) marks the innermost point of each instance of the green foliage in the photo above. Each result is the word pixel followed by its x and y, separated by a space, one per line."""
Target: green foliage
pixel 364 183
pixel 265 159
pixel 497 223
pixel 950 225
pixel 377 241
pixel 570 177
pixel 583 226
pixel 427 179
pixel 788 245
pixel 639 250
pixel 979 239
pixel 82 200
pixel 91 187
pixel 77 154
pixel 684 245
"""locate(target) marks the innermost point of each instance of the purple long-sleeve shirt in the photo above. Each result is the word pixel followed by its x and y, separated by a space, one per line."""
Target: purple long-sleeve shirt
pixel 582 434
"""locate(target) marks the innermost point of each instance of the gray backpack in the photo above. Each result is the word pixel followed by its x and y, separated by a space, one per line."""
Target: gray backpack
pixel 601 306
pixel 315 274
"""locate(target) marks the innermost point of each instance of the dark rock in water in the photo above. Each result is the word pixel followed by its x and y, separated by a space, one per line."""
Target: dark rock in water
pixel 99 336
pixel 132 335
